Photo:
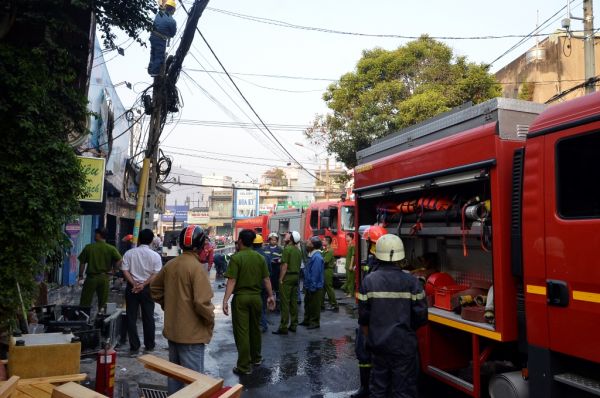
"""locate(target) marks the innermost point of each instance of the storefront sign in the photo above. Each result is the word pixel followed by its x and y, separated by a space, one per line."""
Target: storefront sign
pixel 198 217
pixel 93 168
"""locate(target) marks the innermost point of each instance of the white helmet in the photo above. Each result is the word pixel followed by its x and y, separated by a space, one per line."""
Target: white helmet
pixel 389 248
pixel 273 235
pixel 295 236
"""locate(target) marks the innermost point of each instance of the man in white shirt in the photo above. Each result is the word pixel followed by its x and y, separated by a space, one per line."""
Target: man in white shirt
pixel 140 266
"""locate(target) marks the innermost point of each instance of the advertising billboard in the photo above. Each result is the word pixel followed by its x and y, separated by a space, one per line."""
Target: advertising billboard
pixel 180 213
pixel 245 203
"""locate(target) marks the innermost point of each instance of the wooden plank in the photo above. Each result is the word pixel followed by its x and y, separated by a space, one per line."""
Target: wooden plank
pixel 180 373
pixel 51 379
pixel 74 390
pixel 9 387
pixel 32 392
pixel 47 387
pixel 233 392
pixel 177 371
pixel 197 389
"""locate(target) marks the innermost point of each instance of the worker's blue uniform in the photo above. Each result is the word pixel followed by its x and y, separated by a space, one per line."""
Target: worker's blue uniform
pixel 313 283
pixel 392 305
pixel 163 29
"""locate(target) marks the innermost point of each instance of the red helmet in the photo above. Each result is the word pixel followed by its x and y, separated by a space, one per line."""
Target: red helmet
pixel 192 237
pixel 373 233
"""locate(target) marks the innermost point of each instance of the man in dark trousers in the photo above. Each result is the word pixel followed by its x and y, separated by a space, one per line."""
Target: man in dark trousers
pixel 246 275
pixel 163 29
pixel 391 307
pixel 329 260
pixel 313 284
pixel 99 257
pixel 140 266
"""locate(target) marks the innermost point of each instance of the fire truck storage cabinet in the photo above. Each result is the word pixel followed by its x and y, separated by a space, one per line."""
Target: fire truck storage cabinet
pixel 451 188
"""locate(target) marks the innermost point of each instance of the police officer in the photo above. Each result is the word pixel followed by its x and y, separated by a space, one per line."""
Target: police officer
pixel 392 307
pixel 257 246
pixel 247 274
pixel 291 260
pixel 164 28
pixel 371 236
pixel 329 260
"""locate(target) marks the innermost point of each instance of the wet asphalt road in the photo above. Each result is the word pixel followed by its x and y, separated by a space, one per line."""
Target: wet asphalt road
pixel 309 363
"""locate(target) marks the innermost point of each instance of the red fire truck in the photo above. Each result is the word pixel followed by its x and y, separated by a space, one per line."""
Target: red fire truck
pixel 503 198
pixel 259 224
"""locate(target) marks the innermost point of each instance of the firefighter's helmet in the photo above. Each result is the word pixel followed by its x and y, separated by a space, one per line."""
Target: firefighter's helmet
pixel 170 3
pixel 273 235
pixel 192 237
pixel 372 234
pixel 389 248
pixel 258 240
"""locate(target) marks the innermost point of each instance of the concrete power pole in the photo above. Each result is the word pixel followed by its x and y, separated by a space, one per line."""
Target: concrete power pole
pixel 589 41
pixel 147 197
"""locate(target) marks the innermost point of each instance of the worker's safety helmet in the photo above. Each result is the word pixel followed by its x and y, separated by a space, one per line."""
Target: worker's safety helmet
pixel 372 234
pixel 316 242
pixel 192 237
pixel 273 235
pixel 258 240
pixel 295 237
pixel 170 3
pixel 389 248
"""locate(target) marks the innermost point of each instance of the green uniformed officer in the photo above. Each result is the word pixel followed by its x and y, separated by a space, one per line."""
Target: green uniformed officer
pixel 291 260
pixel 247 273
pixel 99 257
pixel 329 260
pixel 350 281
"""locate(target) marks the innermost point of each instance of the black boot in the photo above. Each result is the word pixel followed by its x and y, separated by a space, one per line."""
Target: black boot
pixel 363 391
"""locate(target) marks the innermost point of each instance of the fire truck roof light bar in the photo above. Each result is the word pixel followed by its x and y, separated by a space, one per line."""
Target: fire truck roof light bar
pixel 453 176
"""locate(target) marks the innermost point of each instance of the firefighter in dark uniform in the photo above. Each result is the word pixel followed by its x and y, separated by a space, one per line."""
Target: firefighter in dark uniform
pixel 246 275
pixel 273 251
pixel 391 308
pixel 371 236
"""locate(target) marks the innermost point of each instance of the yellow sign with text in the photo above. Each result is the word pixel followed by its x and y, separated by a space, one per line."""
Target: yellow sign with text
pixel 93 168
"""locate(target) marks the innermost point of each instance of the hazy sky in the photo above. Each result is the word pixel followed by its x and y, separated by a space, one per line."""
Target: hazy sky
pixel 250 47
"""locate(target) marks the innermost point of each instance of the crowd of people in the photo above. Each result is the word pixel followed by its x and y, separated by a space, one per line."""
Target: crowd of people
pixel 260 277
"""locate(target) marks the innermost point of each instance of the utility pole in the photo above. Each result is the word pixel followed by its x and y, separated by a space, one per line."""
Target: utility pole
pixel 163 88
pixel 328 185
pixel 589 41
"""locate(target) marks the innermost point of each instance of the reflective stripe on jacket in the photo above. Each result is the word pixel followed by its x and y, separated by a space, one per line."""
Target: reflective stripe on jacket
pixel 392 304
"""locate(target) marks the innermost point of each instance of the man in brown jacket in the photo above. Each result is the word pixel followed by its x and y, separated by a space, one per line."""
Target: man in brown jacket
pixel 183 291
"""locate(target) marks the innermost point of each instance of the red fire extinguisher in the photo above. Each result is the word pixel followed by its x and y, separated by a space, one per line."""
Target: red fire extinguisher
pixel 105 370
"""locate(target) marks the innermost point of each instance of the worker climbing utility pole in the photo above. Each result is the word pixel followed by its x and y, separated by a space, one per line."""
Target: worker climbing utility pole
pixel 164 100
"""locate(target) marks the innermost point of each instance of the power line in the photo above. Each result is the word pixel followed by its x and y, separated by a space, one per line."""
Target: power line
pixel 284 24
pixel 252 108
pixel 221 159
pixel 275 76
pixel 248 189
pixel 273 150
pixel 225 154
pixel 530 35
pixel 250 105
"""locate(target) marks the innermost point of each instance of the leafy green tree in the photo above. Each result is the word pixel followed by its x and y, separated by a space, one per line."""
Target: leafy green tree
pixel 390 90
pixel 44 52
